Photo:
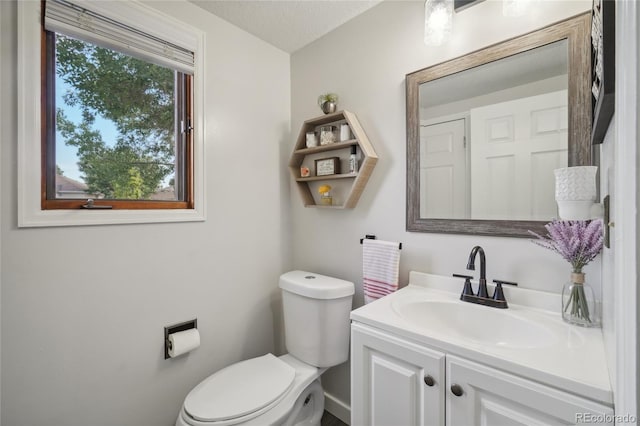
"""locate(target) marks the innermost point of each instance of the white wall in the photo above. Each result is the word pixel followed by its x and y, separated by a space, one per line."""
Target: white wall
pixel 365 62
pixel 608 187
pixel 83 309
pixel 619 178
pixel 5 69
pixel 518 92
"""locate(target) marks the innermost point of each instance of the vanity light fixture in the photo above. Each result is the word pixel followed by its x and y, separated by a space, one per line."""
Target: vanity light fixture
pixel 438 16
pixel 438 21
pixel 576 193
pixel 576 197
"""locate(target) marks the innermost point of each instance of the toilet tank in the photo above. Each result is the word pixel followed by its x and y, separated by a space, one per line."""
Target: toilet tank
pixel 316 317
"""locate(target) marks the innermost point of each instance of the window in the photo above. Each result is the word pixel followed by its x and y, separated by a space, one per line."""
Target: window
pixel 116 114
pixel 139 27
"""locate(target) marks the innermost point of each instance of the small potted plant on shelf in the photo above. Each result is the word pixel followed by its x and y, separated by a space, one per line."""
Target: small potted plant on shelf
pixel 328 102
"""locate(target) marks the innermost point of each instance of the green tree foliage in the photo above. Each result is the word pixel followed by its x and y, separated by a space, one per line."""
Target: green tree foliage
pixel 138 98
pixel 133 188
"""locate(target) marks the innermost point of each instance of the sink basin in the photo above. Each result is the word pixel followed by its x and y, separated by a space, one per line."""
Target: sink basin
pixel 479 324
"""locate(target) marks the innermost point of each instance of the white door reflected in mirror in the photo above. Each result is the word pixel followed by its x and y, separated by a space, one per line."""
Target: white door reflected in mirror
pixel 491 136
pixel 443 170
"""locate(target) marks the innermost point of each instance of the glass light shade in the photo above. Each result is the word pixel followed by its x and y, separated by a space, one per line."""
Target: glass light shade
pixel 438 21
pixel 514 8
pixel 575 192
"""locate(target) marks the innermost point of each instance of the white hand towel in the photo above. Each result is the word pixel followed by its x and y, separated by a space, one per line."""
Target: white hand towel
pixel 380 265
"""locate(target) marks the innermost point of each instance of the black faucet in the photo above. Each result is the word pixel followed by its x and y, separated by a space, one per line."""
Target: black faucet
pixel 482 298
pixel 471 265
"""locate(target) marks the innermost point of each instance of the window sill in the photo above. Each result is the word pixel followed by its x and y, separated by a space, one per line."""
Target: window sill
pixel 45 218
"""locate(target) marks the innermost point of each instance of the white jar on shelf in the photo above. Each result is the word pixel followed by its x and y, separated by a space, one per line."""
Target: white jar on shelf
pixel 312 140
pixel 345 132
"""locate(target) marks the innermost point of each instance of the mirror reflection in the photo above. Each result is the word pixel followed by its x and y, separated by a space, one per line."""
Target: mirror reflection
pixel 491 136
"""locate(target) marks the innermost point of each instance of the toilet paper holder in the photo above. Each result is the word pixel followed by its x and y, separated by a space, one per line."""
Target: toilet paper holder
pixel 187 325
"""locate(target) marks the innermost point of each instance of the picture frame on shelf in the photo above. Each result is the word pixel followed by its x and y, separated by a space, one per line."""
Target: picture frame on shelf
pixel 327 166
pixel 603 52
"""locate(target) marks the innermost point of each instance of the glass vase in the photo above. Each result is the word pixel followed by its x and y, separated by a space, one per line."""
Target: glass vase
pixel 328 135
pixel 326 199
pixel 579 306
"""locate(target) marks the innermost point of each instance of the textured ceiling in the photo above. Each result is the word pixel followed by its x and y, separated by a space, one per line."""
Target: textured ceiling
pixel 287 24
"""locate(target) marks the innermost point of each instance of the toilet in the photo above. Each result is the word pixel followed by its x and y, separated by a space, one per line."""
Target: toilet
pixel 285 390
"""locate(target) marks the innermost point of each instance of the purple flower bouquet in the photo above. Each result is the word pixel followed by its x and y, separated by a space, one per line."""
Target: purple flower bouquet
pixel 578 242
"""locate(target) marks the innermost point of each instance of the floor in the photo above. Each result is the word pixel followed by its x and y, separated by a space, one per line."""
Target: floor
pixel 329 419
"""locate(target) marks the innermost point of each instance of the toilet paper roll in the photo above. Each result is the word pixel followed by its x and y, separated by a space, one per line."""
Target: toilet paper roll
pixel 183 342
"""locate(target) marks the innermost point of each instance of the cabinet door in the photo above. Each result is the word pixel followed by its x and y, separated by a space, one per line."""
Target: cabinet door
pixel 494 398
pixel 394 382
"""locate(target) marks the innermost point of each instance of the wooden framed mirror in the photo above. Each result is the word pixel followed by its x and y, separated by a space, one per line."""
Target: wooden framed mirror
pixel 485 131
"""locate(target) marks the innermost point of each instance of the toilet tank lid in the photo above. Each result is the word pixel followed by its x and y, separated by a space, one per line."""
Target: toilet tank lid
pixel 315 286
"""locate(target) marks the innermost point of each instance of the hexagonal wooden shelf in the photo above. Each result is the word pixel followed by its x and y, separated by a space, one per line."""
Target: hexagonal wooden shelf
pixel 350 185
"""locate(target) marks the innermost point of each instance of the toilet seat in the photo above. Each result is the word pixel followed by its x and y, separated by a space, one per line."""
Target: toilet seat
pixel 274 414
pixel 240 391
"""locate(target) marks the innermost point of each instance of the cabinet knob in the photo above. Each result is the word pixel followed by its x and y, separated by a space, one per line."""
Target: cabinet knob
pixel 457 390
pixel 428 380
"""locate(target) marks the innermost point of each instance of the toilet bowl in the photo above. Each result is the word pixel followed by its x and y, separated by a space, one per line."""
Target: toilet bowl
pixel 285 390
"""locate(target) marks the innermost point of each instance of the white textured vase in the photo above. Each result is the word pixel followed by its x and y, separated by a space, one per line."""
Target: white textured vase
pixel 575 191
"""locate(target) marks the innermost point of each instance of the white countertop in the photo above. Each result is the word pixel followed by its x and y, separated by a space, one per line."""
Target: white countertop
pixel 574 360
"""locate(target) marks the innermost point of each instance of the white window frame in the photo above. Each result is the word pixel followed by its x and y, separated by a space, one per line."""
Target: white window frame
pixel 136 15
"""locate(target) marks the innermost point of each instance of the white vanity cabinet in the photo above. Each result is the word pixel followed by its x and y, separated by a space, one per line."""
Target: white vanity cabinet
pixel 494 398
pixel 388 388
pixel 394 382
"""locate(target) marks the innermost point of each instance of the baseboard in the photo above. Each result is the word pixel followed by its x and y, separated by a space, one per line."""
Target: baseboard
pixel 337 408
